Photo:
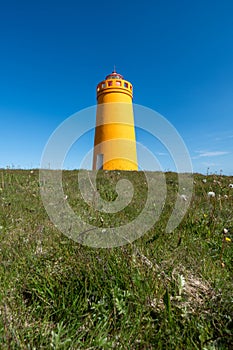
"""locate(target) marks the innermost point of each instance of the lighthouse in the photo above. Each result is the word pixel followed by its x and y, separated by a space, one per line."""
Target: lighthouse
pixel 115 143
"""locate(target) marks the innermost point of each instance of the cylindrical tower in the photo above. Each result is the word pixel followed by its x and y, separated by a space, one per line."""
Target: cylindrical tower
pixel 115 144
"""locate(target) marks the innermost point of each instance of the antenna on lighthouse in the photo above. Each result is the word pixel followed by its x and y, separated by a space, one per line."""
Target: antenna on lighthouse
pixel 114 68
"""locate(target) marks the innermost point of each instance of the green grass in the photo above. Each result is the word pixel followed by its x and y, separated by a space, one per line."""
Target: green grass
pixel 163 291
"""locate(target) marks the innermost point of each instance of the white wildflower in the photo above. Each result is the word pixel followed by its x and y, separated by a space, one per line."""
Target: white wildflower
pixel 211 194
pixel 184 197
pixel 181 283
pixel 204 180
pixel 225 230
pixel 231 185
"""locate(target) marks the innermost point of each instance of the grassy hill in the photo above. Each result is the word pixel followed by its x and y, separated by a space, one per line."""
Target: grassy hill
pixel 163 291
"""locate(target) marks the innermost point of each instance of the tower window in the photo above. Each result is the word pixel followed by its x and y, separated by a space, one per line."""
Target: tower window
pixel 126 85
pixel 110 83
pixel 103 85
pixel 130 87
pixel 118 83
pixel 99 161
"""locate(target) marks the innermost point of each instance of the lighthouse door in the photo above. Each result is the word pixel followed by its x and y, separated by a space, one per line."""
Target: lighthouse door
pixel 99 161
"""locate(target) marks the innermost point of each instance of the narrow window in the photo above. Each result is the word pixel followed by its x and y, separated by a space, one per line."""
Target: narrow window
pixel 118 83
pixel 110 83
pixel 125 85
pixel 99 161
pixel 103 85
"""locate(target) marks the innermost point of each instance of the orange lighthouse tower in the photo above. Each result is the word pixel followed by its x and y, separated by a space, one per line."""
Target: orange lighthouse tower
pixel 115 143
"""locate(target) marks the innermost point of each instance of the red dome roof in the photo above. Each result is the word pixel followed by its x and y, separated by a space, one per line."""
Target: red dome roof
pixel 114 75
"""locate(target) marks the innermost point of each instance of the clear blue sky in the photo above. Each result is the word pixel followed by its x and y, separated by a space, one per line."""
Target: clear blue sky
pixel 177 53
